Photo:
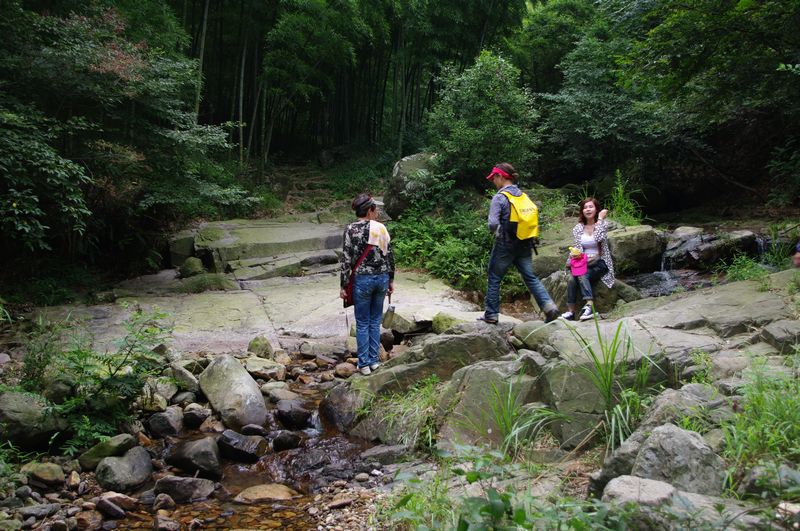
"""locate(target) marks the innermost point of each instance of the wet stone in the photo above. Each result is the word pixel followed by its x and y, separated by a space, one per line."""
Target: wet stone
pixel 244 448
pixel 89 520
pixel 39 511
pixel 169 422
pixel 194 415
pixel 110 509
pixel 184 490
pixel 163 501
pixel 254 429
pixel 285 440
pixel 292 414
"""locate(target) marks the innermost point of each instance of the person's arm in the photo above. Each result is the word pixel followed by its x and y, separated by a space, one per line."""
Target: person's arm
pixel 345 261
pixel 601 227
pixel 495 213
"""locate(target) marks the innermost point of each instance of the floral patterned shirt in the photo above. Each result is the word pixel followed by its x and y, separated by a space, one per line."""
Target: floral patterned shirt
pixel 600 235
pixel 356 237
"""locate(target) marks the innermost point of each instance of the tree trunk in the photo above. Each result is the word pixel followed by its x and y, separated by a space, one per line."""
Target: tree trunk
pixel 241 103
pixel 200 62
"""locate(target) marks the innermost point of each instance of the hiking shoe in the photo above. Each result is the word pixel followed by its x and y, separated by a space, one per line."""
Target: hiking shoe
pixel 365 370
pixel 568 316
pixel 586 313
pixel 487 320
pixel 374 366
pixel 551 315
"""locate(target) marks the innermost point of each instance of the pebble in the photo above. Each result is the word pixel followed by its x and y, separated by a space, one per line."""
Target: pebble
pixel 377 473
pixel 313 510
pixel 362 477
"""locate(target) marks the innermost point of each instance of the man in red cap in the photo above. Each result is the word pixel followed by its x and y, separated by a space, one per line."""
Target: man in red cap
pixel 508 249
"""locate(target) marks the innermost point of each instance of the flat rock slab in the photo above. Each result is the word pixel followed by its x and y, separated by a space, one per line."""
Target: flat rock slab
pixel 310 306
pixel 241 238
pixel 211 321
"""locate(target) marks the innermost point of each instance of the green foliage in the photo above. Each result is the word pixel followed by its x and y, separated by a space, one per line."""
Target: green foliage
pixel 431 504
pixel 108 383
pixel 482 117
pixel 97 134
pixel 702 362
pixel 780 247
pixel 454 245
pixel 105 385
pixel 622 207
pixel 784 169
pixel 362 174
pixel 411 414
pixel 10 460
pixel 767 423
pixel 43 345
pixel 741 267
pixel 207 282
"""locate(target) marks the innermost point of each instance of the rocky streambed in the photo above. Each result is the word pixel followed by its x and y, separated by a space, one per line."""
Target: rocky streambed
pixel 259 420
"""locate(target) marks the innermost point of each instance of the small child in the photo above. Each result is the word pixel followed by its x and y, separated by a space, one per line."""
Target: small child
pixel 578 262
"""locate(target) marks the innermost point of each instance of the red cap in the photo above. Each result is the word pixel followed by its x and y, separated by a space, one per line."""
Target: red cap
pixel 497 171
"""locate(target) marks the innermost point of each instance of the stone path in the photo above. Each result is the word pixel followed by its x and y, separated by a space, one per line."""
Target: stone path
pixel 300 300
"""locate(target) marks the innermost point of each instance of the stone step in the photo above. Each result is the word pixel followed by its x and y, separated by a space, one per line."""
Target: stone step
pixel 287 265
pixel 221 242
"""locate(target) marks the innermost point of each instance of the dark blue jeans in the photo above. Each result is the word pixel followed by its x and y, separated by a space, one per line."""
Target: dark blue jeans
pixel 368 294
pixel 596 270
pixel 504 254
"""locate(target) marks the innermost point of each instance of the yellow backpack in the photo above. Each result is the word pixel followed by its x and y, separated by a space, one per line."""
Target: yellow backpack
pixel 525 214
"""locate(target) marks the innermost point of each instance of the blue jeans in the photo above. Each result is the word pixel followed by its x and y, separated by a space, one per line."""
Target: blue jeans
pixel 596 270
pixel 368 294
pixel 503 255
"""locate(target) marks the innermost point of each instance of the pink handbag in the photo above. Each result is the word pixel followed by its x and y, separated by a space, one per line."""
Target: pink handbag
pixel 578 265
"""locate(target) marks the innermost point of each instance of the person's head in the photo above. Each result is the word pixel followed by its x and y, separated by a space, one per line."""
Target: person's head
pixel 502 174
pixel 796 256
pixel 589 208
pixel 364 206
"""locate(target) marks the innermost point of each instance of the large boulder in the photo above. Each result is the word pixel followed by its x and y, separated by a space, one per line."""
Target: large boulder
pixel 441 355
pixel 113 446
pixel 659 505
pixel 410 176
pixel 475 391
pixel 688 247
pixel 26 422
pixel 605 298
pixel 697 401
pixel 338 409
pixel 200 455
pixel 233 393
pixel 682 459
pixel 124 474
pixel 636 249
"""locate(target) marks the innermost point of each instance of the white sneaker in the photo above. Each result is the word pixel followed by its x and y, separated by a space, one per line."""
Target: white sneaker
pixel 568 316
pixel 374 366
pixel 586 313
pixel 365 370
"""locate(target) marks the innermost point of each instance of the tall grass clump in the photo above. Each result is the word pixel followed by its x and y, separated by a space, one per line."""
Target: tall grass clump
pixel 410 416
pixel 767 425
pixel 517 424
pixel 608 360
pixel 741 267
pixel 623 208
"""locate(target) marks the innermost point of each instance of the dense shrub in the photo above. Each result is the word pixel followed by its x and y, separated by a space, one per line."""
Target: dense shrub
pixel 481 118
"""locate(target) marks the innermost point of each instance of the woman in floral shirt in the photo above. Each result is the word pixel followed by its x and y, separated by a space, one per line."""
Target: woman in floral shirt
pixel 373 278
pixel 590 235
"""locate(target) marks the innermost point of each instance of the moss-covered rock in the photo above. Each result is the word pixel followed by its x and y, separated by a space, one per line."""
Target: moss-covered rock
pixel 261 346
pixel 191 266
pixel 207 282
